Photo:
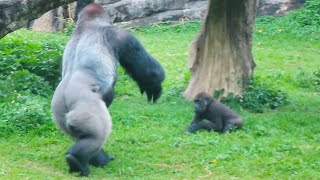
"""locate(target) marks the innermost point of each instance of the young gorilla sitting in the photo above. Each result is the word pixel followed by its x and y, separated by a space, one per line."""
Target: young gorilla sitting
pixel 213 116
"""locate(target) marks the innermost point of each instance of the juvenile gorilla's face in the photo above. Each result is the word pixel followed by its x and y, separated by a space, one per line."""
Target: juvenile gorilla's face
pixel 200 105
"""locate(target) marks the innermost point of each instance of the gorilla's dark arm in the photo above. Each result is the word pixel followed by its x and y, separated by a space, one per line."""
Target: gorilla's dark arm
pixel 139 64
pixel 194 124
pixel 215 115
pixel 229 120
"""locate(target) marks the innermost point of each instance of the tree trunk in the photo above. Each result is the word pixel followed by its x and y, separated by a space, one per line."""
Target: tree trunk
pixel 14 14
pixel 221 55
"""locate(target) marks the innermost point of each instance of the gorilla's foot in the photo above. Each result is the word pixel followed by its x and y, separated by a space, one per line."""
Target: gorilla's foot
pixel 76 166
pixel 101 159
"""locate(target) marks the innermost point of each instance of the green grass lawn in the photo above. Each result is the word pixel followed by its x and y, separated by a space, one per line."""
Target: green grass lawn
pixel 148 140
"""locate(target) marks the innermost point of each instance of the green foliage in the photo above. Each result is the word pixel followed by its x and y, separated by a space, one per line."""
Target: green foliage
pixel 23 82
pixel 259 98
pixel 29 71
pixel 306 79
pixel 148 140
pixel 39 56
pixel 23 114
pixel 23 102
pixel 256 97
pixel 69 28
pixel 316 79
pixel 305 21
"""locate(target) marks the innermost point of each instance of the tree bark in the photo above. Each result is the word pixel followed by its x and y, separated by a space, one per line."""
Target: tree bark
pixel 220 57
pixel 14 14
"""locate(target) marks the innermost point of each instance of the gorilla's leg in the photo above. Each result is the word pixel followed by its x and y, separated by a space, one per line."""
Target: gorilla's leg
pixel 101 159
pixel 79 154
pixel 207 125
pixel 204 124
pixel 76 166
pixel 193 127
pixel 227 128
pixel 232 124
pixel 59 109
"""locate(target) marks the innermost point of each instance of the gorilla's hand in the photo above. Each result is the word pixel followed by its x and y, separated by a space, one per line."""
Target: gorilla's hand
pixel 192 128
pixel 153 92
pixel 139 64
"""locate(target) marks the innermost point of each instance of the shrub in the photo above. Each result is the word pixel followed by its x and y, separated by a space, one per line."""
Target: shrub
pixel 69 28
pixel 316 79
pixel 305 79
pixel 22 82
pixel 256 98
pixel 41 56
pixel 25 113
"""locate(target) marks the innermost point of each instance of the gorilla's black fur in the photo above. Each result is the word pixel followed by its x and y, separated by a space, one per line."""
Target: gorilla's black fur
pixel 211 115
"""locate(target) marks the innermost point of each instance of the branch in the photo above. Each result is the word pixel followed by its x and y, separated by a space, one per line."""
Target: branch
pixel 14 14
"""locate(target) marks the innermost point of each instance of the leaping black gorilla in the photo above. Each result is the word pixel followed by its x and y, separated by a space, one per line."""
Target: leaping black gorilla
pixel 89 73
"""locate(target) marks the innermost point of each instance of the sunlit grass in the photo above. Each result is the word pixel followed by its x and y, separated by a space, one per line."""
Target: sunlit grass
pixel 148 140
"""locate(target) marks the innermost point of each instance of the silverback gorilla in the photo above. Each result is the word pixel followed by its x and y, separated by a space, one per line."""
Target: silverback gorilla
pixel 89 73
pixel 212 115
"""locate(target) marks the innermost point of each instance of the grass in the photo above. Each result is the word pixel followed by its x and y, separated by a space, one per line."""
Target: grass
pixel 148 140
